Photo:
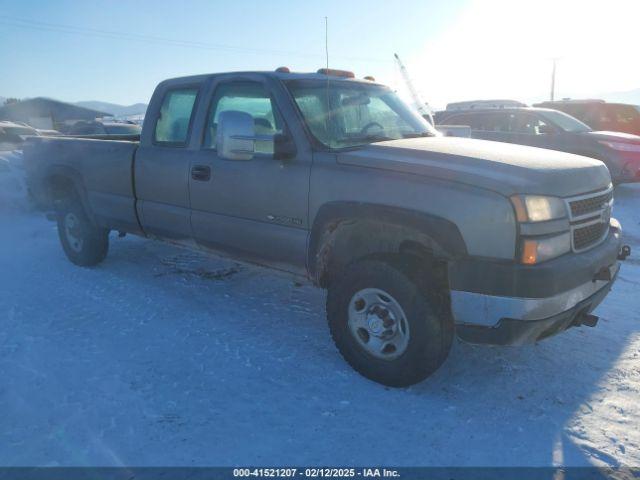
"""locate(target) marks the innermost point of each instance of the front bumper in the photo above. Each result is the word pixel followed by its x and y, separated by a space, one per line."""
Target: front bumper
pixel 511 331
pixel 502 303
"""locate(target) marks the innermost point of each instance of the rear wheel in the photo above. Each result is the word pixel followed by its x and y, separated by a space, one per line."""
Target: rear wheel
pixel 388 322
pixel 84 243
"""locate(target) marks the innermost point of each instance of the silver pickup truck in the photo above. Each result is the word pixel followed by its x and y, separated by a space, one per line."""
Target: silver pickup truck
pixel 416 236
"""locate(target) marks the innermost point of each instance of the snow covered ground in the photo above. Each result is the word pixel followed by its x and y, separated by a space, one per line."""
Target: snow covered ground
pixel 161 356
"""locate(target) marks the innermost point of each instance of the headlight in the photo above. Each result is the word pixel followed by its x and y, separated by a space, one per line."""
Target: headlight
pixel 536 250
pixel 536 208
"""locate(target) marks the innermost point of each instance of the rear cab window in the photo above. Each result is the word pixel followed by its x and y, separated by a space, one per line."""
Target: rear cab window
pixel 172 125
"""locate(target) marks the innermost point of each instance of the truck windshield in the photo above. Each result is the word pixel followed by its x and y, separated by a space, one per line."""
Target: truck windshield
pixel 346 114
pixel 565 122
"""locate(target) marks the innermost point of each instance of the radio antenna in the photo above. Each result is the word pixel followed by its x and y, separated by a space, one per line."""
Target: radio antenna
pixel 326 52
pixel 326 39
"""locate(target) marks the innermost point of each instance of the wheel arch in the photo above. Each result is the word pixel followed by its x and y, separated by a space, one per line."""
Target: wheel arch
pixel 346 231
pixel 62 183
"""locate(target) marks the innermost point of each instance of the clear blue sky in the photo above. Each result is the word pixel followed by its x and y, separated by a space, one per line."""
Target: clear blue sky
pixel 41 57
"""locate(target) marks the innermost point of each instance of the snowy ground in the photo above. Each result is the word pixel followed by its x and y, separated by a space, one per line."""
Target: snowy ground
pixel 161 356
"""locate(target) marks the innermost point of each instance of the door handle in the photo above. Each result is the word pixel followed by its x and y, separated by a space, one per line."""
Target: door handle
pixel 201 173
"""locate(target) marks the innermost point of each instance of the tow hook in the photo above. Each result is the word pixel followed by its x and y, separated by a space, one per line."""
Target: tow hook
pixel 585 319
pixel 604 275
pixel 625 251
pixel 589 320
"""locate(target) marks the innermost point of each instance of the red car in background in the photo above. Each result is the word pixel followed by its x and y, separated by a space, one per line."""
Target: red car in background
pixel 600 115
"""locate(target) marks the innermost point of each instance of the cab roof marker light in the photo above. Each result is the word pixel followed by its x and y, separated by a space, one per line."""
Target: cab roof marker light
pixel 283 70
pixel 336 73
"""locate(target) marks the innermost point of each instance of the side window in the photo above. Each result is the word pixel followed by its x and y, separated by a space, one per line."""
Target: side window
pixel 466 120
pixel 577 111
pixel 625 114
pixel 592 116
pixel 247 97
pixel 528 124
pixel 172 126
pixel 315 113
pixel 491 122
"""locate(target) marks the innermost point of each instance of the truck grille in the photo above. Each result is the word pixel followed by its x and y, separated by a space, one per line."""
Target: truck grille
pixel 588 205
pixel 584 237
pixel 590 215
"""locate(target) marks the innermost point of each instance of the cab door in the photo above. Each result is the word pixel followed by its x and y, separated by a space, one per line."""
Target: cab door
pixel 258 208
pixel 162 166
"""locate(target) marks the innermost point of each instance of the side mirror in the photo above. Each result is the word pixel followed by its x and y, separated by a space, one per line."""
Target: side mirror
pixel 235 137
pixel 284 147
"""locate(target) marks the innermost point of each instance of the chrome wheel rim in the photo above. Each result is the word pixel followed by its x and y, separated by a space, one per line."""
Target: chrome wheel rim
pixel 378 323
pixel 72 232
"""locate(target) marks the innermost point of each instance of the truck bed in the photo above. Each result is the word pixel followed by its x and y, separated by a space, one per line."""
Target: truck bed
pixel 103 170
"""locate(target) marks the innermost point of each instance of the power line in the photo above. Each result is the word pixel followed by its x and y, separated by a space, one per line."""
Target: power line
pixel 115 35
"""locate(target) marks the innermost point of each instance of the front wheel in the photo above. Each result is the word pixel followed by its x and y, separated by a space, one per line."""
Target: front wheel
pixel 84 243
pixel 387 321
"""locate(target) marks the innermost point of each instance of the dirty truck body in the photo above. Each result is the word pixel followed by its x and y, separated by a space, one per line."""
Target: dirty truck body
pixel 416 236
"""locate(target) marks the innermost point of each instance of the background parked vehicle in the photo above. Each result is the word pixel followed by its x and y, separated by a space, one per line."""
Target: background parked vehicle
pixel 483 104
pixel 13 135
pixel 48 133
pixel 600 115
pixel 551 129
pixel 104 128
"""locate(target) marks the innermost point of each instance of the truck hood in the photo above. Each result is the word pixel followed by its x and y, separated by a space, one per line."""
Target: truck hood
pixel 613 136
pixel 502 167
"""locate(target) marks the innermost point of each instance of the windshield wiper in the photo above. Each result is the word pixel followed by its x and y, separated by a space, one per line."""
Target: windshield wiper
pixel 367 139
pixel 417 135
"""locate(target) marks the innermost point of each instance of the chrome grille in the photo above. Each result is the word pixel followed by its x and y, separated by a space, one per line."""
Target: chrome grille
pixel 588 205
pixel 589 218
pixel 584 237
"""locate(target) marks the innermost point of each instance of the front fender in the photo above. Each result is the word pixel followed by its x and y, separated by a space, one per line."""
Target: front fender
pixel 383 229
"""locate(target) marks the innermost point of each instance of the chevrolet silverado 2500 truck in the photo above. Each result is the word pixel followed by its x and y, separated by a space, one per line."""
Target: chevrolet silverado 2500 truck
pixel 415 236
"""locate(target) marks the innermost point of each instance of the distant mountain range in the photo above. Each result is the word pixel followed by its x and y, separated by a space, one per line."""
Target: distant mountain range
pixel 115 109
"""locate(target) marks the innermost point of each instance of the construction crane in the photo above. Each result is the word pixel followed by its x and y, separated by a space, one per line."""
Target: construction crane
pixel 420 105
